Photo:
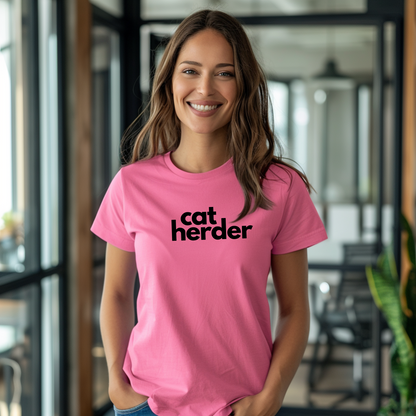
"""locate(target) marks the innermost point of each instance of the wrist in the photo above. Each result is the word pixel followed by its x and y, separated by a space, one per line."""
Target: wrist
pixel 270 400
pixel 117 380
pixel 273 394
pixel 117 372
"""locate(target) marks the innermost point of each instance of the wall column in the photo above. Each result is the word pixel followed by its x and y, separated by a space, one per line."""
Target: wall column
pixel 78 128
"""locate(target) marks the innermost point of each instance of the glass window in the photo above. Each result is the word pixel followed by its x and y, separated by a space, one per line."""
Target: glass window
pixel 153 39
pixel 19 222
pixel 279 99
pixel 325 75
pixel 50 348
pixel 30 236
pixel 18 213
pixel 5 116
pixel 115 7
pixel 48 73
pixel 20 243
pixel 12 166
pixel 19 369
pixel 182 8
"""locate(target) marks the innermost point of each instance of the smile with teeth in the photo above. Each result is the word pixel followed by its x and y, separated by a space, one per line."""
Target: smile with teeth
pixel 203 108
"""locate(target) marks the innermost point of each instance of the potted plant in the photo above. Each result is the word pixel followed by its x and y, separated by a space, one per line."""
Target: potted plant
pixel 397 301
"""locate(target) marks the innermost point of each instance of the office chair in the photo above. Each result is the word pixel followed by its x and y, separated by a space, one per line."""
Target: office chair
pixel 351 310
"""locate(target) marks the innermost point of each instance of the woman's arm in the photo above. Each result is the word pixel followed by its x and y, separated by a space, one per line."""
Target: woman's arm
pixel 117 321
pixel 290 276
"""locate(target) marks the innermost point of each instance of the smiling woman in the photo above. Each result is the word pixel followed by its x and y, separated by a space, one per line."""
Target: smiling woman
pixel 204 94
pixel 250 139
pixel 203 210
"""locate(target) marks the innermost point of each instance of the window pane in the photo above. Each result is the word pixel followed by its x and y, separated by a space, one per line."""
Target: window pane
pixel 327 130
pixel 182 8
pixel 279 98
pixel 50 346
pixel 49 132
pixel 19 339
pixel 19 224
pixel 10 217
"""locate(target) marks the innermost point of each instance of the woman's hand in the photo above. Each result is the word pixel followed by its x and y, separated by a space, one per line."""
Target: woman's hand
pixel 122 394
pixel 259 404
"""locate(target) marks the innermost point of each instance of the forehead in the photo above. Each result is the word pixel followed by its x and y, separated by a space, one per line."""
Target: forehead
pixel 206 45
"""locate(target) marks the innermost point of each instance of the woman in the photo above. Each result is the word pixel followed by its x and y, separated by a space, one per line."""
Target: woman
pixel 204 210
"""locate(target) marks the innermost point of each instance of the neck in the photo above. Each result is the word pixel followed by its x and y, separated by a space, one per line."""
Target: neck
pixel 200 153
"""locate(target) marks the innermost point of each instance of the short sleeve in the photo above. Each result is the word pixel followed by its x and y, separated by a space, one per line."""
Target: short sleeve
pixel 109 223
pixel 300 226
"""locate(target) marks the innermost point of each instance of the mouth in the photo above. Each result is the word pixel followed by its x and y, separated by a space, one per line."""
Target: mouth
pixel 203 108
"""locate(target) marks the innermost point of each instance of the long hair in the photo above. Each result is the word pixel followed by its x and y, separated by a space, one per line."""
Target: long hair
pixel 250 142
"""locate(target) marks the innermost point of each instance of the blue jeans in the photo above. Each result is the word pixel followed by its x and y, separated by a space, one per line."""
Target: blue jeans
pixel 141 409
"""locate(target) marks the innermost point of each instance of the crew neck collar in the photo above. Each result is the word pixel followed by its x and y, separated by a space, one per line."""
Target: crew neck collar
pixel 220 170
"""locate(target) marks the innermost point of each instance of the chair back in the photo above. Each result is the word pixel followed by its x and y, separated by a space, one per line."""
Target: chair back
pixel 354 282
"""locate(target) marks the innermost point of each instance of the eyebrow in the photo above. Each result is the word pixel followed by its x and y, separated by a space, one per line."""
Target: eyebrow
pixel 199 64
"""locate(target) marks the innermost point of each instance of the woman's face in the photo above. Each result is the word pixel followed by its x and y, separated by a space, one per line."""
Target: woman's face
pixel 203 84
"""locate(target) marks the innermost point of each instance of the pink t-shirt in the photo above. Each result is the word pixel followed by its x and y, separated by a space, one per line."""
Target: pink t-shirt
pixel 203 338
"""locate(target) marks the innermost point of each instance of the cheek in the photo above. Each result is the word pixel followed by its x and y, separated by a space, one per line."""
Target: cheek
pixel 231 93
pixel 177 98
pixel 180 90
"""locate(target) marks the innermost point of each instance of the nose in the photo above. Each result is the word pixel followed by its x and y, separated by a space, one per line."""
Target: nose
pixel 206 85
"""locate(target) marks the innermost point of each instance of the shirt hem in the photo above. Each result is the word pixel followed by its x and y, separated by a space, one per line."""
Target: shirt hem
pixel 113 239
pixel 301 243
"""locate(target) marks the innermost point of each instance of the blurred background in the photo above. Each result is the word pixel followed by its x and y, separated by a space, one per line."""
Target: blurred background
pixel 75 74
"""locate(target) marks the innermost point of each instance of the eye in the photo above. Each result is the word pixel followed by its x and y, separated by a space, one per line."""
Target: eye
pixel 226 74
pixel 189 71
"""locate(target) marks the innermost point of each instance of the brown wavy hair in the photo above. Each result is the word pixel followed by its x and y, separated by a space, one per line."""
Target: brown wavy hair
pixel 251 142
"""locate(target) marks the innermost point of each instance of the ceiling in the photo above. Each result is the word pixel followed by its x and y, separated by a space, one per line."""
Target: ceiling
pixel 301 51
pixel 151 9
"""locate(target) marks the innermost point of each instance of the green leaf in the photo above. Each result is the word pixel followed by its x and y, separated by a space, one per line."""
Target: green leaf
pixel 401 374
pixel 384 411
pixel 390 409
pixel 373 288
pixel 411 411
pixel 384 286
pixel 387 265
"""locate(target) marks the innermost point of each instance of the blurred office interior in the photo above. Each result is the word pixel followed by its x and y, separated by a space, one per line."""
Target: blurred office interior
pixel 74 74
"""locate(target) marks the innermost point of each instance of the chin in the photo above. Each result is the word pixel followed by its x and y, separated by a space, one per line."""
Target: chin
pixel 204 131
pixel 207 130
